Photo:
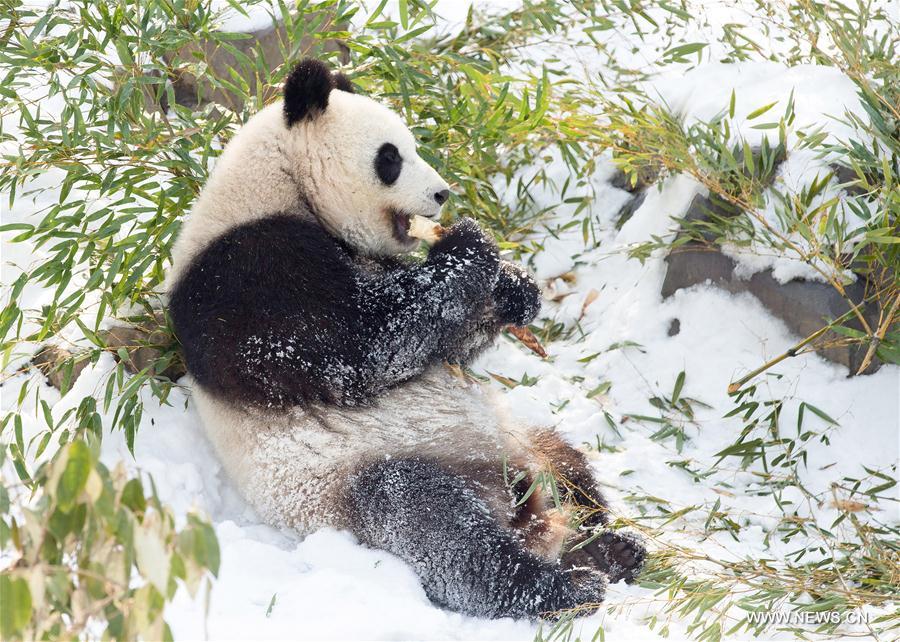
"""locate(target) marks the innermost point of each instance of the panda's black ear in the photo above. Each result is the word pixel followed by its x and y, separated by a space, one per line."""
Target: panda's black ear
pixel 306 90
pixel 343 83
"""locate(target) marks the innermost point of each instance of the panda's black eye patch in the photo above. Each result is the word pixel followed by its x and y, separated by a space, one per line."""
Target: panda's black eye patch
pixel 388 163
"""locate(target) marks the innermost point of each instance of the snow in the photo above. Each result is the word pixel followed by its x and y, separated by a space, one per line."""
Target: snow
pixel 247 19
pixel 821 98
pixel 326 586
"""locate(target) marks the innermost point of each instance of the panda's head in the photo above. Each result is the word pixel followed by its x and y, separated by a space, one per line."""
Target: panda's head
pixel 357 162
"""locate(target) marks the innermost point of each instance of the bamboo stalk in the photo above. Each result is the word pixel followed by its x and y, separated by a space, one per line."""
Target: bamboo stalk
pixel 737 385
pixel 879 335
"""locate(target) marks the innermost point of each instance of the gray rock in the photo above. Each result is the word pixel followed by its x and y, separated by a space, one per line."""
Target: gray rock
pixel 144 343
pixel 630 207
pixel 638 190
pixel 259 51
pixel 268 44
pixel 846 176
pixel 705 209
pixel 674 327
pixel 646 176
pixel 804 306
pixel 50 361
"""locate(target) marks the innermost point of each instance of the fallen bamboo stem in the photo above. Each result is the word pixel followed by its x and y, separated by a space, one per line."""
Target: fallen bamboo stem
pixel 737 385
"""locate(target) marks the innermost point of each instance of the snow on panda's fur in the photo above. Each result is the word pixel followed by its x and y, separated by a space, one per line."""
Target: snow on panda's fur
pixel 316 351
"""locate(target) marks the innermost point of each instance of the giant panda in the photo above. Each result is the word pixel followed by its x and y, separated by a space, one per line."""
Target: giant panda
pixel 317 351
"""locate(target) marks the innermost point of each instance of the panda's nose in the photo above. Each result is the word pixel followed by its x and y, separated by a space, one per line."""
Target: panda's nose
pixel 442 196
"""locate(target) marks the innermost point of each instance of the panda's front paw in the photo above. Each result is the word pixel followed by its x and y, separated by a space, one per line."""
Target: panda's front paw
pixel 620 554
pixel 466 237
pixel 517 297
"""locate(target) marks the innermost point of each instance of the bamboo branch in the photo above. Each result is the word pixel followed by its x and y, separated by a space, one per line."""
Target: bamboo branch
pixel 879 335
pixel 737 385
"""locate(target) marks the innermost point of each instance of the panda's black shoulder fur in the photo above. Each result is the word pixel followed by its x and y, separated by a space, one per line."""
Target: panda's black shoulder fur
pixel 278 312
pixel 239 305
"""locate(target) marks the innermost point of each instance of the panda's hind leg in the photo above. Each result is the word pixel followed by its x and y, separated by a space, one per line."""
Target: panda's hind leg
pixel 619 554
pixel 467 561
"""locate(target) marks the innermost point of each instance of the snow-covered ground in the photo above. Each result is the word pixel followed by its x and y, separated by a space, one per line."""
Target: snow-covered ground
pixel 276 585
pixel 327 586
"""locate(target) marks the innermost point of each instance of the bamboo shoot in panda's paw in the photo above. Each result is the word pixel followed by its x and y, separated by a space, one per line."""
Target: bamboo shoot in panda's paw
pixel 425 229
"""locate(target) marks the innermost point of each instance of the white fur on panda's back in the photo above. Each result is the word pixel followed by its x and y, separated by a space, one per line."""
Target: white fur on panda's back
pixel 246 184
pixel 292 467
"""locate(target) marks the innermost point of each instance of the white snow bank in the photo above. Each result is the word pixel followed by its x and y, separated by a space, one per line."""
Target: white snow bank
pixel 821 98
pixel 247 19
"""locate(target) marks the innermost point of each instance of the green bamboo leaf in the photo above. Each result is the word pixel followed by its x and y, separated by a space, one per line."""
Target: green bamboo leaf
pixel 133 496
pixel 881 488
pixel 206 546
pixel 679 384
pixel 15 606
pixel 9 227
pixel 678 53
pixel 75 474
pixel 762 110
pixel 602 389
pixel 404 14
pixel 820 413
